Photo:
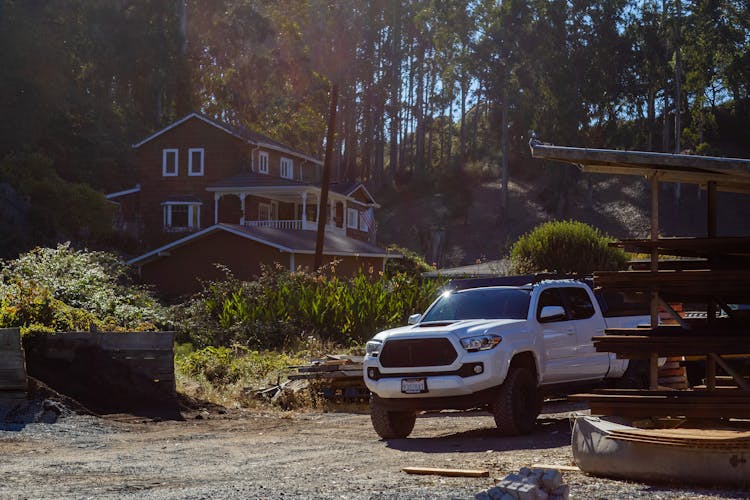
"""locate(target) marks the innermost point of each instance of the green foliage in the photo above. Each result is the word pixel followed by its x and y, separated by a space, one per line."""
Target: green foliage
pixel 55 209
pixel 64 289
pixel 281 309
pixel 223 366
pixel 412 264
pixel 565 247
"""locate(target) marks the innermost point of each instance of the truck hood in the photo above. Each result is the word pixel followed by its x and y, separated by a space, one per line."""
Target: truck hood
pixel 458 329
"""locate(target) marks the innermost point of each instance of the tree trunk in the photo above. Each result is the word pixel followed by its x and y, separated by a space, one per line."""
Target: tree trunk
pixel 323 213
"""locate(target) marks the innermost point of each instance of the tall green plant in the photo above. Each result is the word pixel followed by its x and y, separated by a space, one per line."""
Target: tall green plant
pixel 283 308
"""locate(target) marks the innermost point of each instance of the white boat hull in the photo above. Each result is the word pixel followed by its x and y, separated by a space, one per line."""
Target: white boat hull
pixel 596 453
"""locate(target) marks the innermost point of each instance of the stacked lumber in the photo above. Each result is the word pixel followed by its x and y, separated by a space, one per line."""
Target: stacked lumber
pixel 687 283
pixel 668 403
pixel 338 376
pixel 635 346
pixel 724 439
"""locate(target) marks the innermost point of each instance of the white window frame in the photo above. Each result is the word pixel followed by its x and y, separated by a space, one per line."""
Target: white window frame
pixel 264 206
pixel 194 212
pixel 165 153
pixel 352 218
pixel 286 162
pixel 191 171
pixel 262 162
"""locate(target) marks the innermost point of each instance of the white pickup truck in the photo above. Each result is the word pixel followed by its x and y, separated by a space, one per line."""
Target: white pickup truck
pixel 496 347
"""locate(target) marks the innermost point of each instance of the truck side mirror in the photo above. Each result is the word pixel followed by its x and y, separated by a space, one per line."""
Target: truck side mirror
pixel 414 319
pixel 551 313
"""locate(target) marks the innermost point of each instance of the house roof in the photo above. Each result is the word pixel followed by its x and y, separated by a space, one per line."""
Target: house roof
pixel 490 268
pixel 348 188
pixel 729 174
pixel 252 180
pixel 290 241
pixel 240 132
pixel 124 192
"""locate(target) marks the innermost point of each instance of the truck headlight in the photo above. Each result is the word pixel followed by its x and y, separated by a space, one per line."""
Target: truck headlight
pixel 481 342
pixel 372 348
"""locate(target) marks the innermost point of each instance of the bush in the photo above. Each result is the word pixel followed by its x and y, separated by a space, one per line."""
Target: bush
pixel 565 247
pixel 62 289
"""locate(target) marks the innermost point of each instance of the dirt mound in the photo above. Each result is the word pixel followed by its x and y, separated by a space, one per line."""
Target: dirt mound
pixel 43 405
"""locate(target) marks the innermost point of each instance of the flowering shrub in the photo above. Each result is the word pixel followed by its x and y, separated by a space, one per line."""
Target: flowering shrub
pixel 61 289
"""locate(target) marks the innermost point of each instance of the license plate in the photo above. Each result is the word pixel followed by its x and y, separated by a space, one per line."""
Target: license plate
pixel 413 385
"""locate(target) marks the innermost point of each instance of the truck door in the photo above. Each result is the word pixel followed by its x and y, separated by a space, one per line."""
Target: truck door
pixel 560 341
pixel 587 323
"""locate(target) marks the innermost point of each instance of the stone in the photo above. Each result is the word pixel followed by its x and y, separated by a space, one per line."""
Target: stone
pixel 551 479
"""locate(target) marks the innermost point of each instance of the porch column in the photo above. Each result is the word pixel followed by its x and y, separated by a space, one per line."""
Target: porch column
pixel 216 208
pixel 242 207
pixel 304 209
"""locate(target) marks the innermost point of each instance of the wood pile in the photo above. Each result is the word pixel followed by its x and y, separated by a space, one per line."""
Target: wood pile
pixel 725 439
pixel 338 376
pixel 687 283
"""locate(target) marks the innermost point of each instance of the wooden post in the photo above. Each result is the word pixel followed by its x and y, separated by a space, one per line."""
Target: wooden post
pixel 653 365
pixel 712 221
pixel 710 373
pixel 654 251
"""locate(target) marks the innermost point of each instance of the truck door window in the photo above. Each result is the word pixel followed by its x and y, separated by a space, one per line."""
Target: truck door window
pixel 550 297
pixel 579 303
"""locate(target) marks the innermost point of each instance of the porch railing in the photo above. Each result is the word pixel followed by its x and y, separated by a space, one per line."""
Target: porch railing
pixel 306 225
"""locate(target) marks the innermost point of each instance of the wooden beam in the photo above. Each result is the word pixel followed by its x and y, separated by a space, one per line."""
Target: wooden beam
pixel 738 378
pixel 431 471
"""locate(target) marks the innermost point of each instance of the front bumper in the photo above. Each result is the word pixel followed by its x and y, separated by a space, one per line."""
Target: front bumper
pixel 450 381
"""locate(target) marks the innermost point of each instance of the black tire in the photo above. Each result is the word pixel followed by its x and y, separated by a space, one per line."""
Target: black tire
pixel 517 404
pixel 392 424
pixel 635 376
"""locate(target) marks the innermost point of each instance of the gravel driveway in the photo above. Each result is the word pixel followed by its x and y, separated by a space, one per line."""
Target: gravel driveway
pixel 252 454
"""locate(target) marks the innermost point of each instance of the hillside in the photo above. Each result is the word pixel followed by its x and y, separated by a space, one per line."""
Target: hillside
pixel 619 206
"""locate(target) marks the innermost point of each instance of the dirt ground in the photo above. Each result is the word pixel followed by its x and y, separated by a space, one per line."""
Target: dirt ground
pixel 255 454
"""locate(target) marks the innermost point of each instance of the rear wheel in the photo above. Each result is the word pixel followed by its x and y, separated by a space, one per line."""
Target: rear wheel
pixel 518 403
pixel 391 424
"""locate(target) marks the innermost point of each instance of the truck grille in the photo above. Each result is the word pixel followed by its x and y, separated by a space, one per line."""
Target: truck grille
pixel 417 352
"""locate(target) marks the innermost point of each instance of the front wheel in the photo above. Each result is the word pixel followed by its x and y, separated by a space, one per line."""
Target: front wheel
pixel 392 424
pixel 517 403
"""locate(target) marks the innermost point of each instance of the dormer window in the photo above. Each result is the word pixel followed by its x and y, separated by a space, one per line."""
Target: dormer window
pixel 263 162
pixel 287 168
pixel 195 161
pixel 169 162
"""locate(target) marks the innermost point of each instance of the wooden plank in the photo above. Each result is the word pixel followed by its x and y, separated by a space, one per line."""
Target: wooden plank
pixel 563 468
pixel 446 472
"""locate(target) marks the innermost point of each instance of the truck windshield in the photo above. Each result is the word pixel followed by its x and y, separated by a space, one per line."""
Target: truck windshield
pixel 480 303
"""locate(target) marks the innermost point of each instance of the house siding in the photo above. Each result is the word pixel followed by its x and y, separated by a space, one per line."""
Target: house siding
pixel 224 155
pixel 181 272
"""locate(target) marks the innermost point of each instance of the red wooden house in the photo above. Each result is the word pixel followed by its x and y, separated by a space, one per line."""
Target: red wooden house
pixel 211 193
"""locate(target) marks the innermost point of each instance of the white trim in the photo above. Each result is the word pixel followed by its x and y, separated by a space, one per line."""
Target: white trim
pixel 180 122
pixel 362 186
pixel 176 164
pixel 290 152
pixel 350 219
pixel 124 192
pixel 262 165
pixel 267 206
pixel 191 214
pixel 243 234
pixel 191 173
pixel 181 203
